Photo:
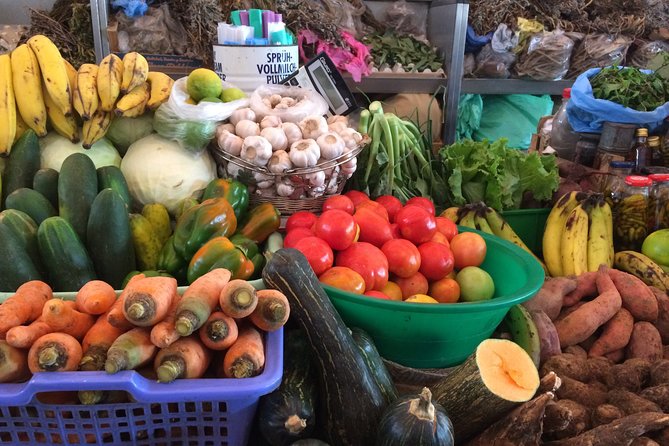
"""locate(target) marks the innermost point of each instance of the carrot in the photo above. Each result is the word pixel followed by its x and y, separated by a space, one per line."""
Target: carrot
pixel 13 363
pixel 131 350
pixel 164 333
pixel 115 315
pixel 637 298
pixel 23 336
pixel 25 305
pixel 272 310
pixel 199 300
pixel 148 300
pixel 96 343
pixel 64 318
pixel 244 358
pixel 54 352
pixel 95 297
pixel 219 332
pixel 616 334
pixel 187 358
pixel 238 298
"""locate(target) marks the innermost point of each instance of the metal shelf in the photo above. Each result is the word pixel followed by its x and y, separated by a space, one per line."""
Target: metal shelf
pixel 514 86
pixel 396 82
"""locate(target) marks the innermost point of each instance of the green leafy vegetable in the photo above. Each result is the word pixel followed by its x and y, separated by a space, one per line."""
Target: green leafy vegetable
pixel 499 176
pixel 391 48
pixel 630 87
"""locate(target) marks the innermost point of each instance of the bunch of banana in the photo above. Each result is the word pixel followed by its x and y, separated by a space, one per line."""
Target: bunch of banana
pixel 579 235
pixel 7 105
pixel 642 267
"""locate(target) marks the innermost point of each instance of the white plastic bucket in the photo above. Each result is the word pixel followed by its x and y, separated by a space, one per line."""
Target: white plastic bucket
pixel 249 66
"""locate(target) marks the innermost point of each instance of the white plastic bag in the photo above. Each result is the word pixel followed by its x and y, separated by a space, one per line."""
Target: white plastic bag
pixel 308 102
pixel 204 111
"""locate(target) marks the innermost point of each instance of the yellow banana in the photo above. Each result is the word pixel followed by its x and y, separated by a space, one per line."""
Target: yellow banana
pixel 575 242
pixel 599 239
pixel 642 267
pixel 27 79
pixel 553 231
pixel 135 71
pixel 85 94
pixel 161 86
pixel 21 126
pixel 451 213
pixel 134 102
pixel 7 106
pixel 110 76
pixel 608 218
pixel 71 73
pixel 96 127
pixel 482 224
pixel 54 72
pixel 64 125
pixel 468 220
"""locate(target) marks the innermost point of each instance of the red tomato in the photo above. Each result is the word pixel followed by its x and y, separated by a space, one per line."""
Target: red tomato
pixel 440 238
pixel 469 249
pixel 392 205
pixel 445 291
pixel 396 230
pixel 436 260
pixel 301 219
pixel 423 202
pixel 318 253
pixel 447 227
pixel 403 257
pixel 374 229
pixel 368 261
pixel 343 278
pixel 356 196
pixel 296 234
pixel 392 290
pixel 416 224
pixel 341 202
pixel 374 206
pixel 377 295
pixel 337 228
pixel 416 284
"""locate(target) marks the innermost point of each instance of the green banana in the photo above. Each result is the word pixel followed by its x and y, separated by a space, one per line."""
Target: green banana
pixel 524 331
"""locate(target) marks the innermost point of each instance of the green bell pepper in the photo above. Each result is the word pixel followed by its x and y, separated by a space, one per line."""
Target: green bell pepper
pixel 220 252
pixel 169 259
pixel 211 218
pixel 234 191
pixel 260 222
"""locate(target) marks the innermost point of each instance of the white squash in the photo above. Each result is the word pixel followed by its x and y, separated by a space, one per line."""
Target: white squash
pixel 55 148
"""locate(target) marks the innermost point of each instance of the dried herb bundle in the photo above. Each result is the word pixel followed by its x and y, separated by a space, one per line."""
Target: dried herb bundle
pixel 200 20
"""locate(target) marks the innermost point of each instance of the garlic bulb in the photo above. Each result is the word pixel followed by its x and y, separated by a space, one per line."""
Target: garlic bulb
pixel 275 99
pixel 331 183
pixel 270 121
pixel 338 118
pixel 227 127
pixel 268 192
pixel 242 114
pixel 263 181
pixel 351 138
pixel 337 127
pixel 316 192
pixel 315 179
pixel 292 131
pixel 233 170
pixel 246 128
pixel 256 150
pixel 331 145
pixel 279 162
pixel 313 126
pixel 276 136
pixel 229 142
pixel 348 168
pixel 285 189
pixel 304 153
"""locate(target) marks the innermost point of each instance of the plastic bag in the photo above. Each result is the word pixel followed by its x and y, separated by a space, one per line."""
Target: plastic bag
pixel 587 114
pixel 131 8
pixel 645 52
pixel 192 126
pixel 497 57
pixel 156 32
pixel 308 102
pixel 547 57
pixel 598 51
pixel 474 42
pixel 470 111
pixel 404 18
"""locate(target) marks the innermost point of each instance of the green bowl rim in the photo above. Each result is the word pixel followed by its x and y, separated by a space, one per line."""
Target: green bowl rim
pixel 526 260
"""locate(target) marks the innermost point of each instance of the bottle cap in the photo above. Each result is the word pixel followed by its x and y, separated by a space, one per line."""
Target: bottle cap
pixel 659 177
pixel 638 181
pixel 654 141
pixel 641 131
pixel 566 93
pixel 621 165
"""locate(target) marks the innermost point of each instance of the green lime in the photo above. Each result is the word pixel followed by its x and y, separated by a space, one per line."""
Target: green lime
pixel 232 94
pixel 211 99
pixel 203 83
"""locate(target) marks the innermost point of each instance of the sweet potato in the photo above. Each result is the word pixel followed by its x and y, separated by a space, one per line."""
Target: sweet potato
pixel 631 403
pixel 644 441
pixel 567 366
pixel 659 372
pixel 551 295
pixel 586 286
pixel 617 356
pixel 566 311
pixel 576 415
pixel 589 395
pixel 665 351
pixel 658 395
pixel 662 322
pixel 632 375
pixel 588 343
pixel 635 295
pixel 599 368
pixel 582 323
pixel 605 413
pixel 661 436
pixel 615 335
pixel 548 336
pixel 645 342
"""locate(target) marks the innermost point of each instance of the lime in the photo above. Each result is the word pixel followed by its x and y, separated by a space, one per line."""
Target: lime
pixel 203 83
pixel 656 246
pixel 190 101
pixel 211 99
pixel 232 94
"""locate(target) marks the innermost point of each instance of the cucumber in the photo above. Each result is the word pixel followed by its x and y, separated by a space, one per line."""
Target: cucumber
pixel 109 239
pixel 64 256
pixel 32 203
pixel 45 182
pixel 16 266
pixel 25 228
pixel 77 188
pixel 23 162
pixel 111 177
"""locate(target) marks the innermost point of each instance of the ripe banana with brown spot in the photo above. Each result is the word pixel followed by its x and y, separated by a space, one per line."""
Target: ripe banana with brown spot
pixel 66 126
pixel 135 71
pixel 27 79
pixel 161 86
pixel 96 127
pixel 7 106
pixel 133 103
pixel 85 96
pixel 110 76
pixel 552 238
pixel 54 72
pixel 575 242
pixel 642 267
pixel 600 236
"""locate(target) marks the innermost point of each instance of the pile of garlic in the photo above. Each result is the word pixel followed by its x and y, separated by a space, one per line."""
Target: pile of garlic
pixel 277 147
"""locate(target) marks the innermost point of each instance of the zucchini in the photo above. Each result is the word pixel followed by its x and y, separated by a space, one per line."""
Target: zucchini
pixel 111 177
pixel 25 228
pixel 287 414
pixel 109 240
pixel 375 363
pixel 351 401
pixel 23 162
pixel 65 257
pixel 32 203
pixel 16 266
pixel 45 182
pixel 77 188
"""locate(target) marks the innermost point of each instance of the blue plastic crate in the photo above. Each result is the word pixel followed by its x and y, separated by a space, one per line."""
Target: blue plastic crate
pixel 194 412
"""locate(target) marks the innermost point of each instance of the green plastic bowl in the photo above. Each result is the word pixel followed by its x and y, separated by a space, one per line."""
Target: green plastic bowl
pixel 443 335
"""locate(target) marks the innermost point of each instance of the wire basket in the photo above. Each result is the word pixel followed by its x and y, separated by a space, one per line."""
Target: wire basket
pixel 305 197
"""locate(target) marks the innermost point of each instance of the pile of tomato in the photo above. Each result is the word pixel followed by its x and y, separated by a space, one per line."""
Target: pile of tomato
pixel 385 249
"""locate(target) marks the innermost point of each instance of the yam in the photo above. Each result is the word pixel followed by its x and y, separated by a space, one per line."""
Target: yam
pixel 665 351
pixel 605 414
pixel 550 382
pixel 599 368
pixel 567 366
pixel 645 342
pixel 657 394
pixel 557 417
pixel 576 415
pixel 615 335
pixel 631 403
pixel 617 356
pixel 589 395
pixel 662 322
pixel 551 295
pixel 661 437
pixel 576 350
pixel 632 375
pixel 548 336
pixel 586 286
pixel 636 297
pixel 659 372
pixel 644 441
pixel 582 323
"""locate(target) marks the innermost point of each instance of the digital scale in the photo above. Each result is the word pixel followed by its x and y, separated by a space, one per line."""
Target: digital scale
pixel 320 74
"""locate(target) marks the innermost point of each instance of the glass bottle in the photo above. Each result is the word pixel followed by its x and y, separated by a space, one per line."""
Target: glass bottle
pixel 563 137
pixel 640 152
pixel 659 202
pixel 655 152
pixel 630 225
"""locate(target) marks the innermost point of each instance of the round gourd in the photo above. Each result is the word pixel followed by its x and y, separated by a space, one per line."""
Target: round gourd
pixel 54 149
pixel 415 419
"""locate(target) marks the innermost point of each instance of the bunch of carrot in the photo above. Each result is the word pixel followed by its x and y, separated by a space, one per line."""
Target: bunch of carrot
pixel 217 322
